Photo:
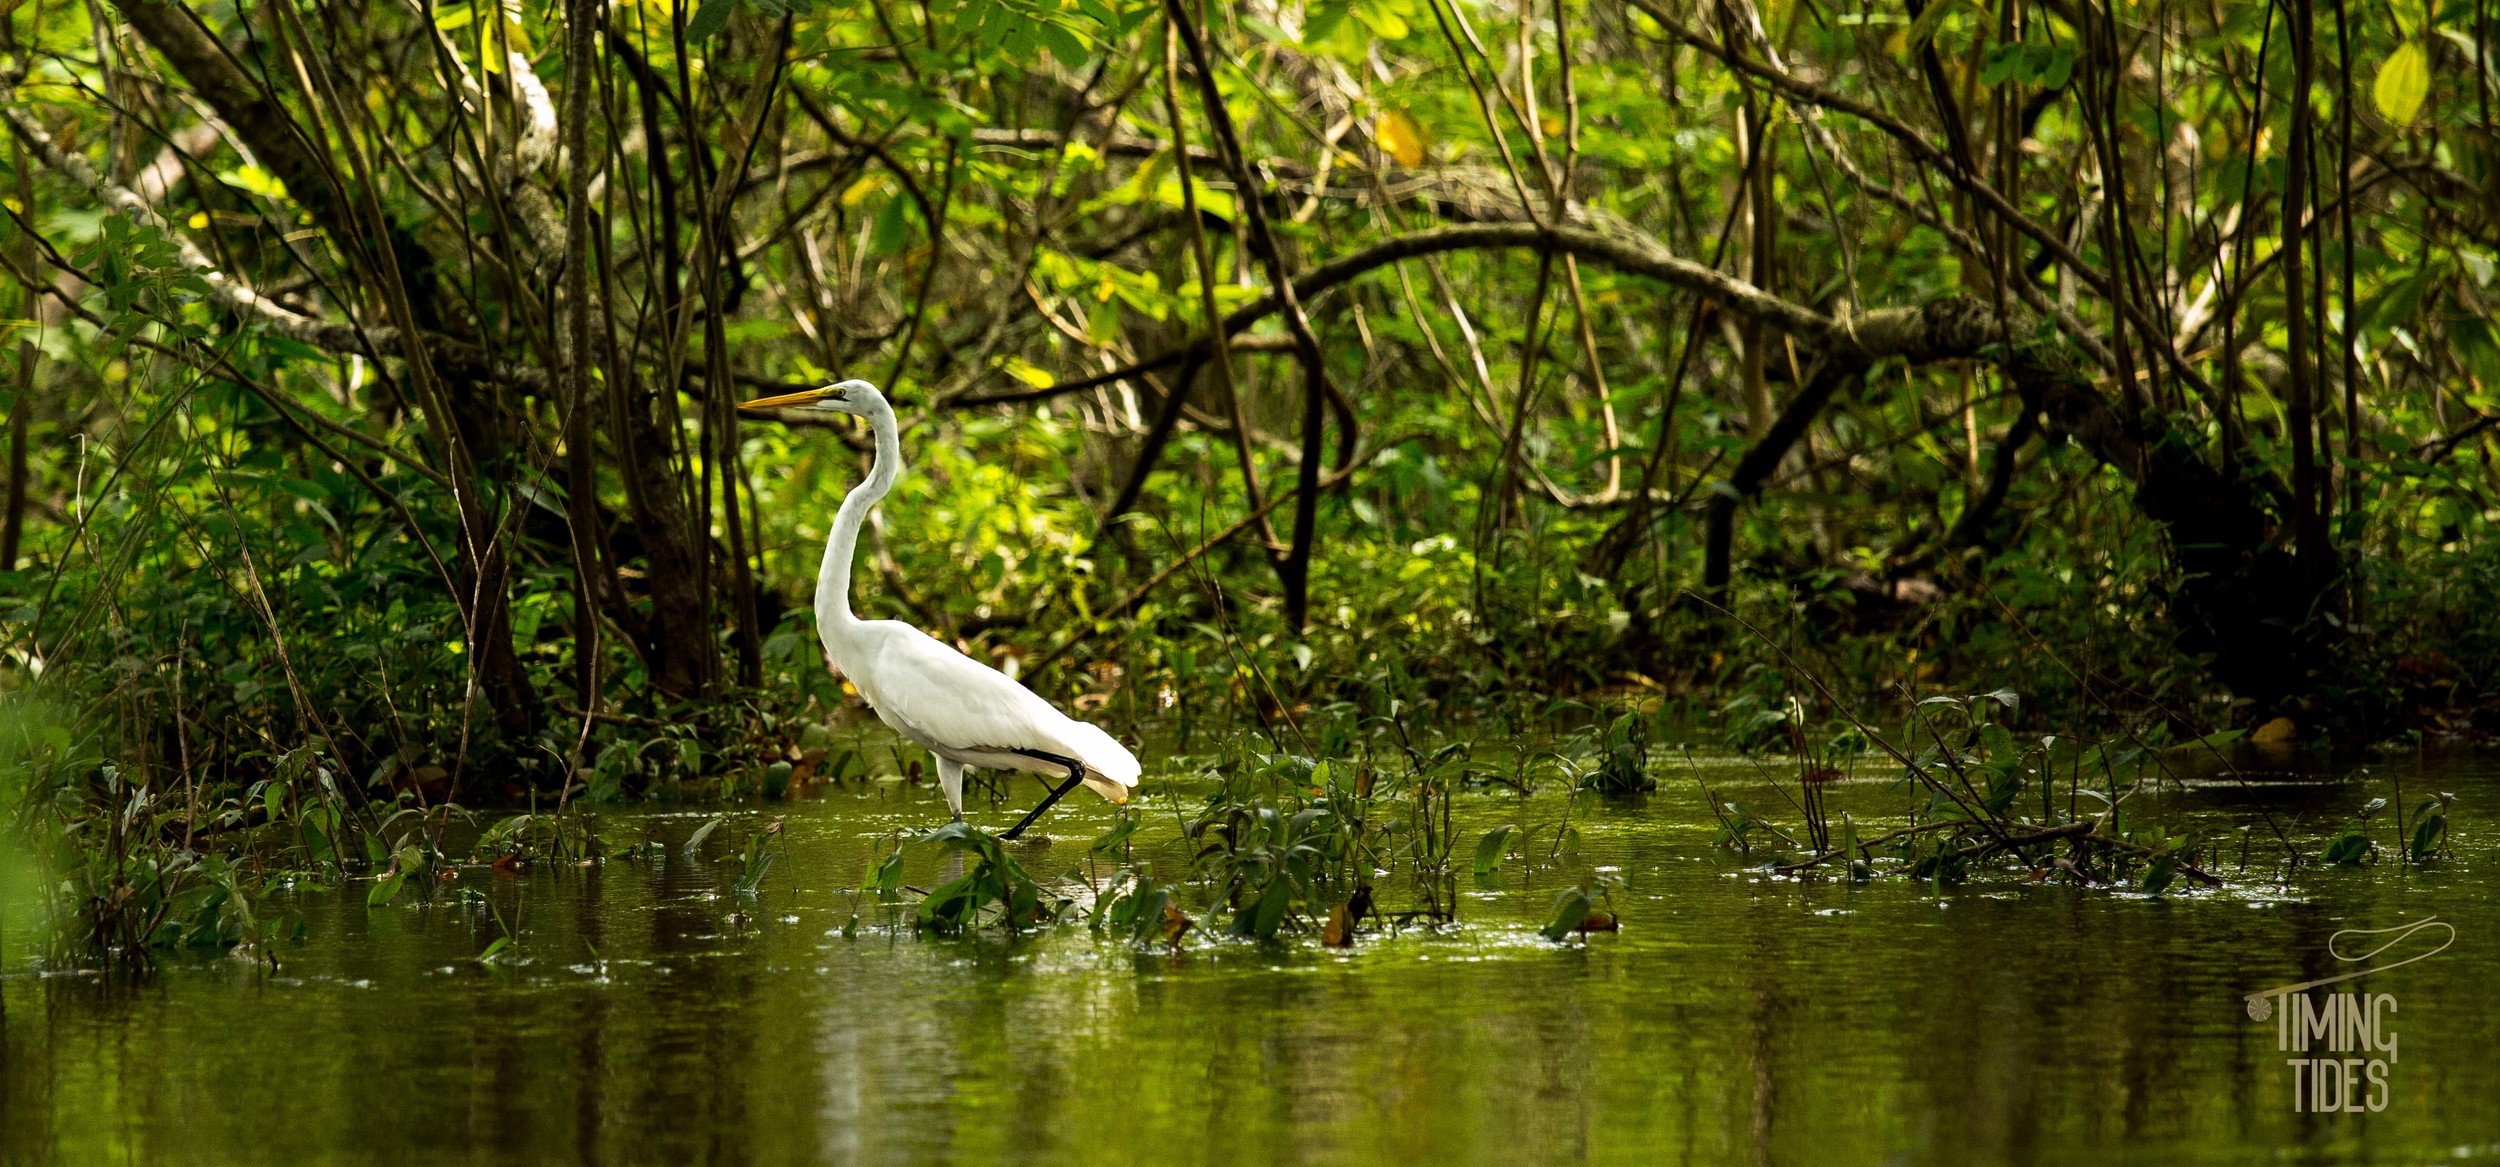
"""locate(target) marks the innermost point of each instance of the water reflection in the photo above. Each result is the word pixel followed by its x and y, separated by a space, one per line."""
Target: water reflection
pixel 648 1016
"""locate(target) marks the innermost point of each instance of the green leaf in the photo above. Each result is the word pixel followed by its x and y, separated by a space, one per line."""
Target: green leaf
pixel 1062 43
pixel 2047 66
pixel 1210 200
pixel 708 20
pixel 501 943
pixel 282 349
pixel 1266 914
pixel 2426 835
pixel 942 903
pixel 2051 65
pixel 1102 322
pixel 890 872
pixel 1491 848
pixel 2160 872
pixel 2404 83
pixel 694 842
pixel 2002 64
pixel 886 237
pixel 1383 20
pixel 385 890
pixel 1570 909
pixel 1999 742
pixel 1146 919
pixel 2348 848
pixel 1111 840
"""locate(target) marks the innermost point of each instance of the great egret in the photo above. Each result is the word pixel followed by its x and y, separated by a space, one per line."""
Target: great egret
pixel 964 712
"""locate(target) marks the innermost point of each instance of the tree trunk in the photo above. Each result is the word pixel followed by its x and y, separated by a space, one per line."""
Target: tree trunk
pixel 2300 401
pixel 2239 597
pixel 13 523
pixel 1756 467
pixel 581 483
pixel 678 645
pixel 466 413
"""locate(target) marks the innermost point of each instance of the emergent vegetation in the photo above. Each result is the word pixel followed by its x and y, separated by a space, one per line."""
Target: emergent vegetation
pixel 371 442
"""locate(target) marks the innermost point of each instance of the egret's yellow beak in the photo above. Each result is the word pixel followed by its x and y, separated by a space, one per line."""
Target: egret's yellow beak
pixel 764 406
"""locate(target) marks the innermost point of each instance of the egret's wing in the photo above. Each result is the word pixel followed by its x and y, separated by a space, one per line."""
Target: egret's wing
pixel 952 700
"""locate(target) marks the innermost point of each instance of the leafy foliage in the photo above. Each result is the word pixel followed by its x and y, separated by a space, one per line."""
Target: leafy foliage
pixel 261 555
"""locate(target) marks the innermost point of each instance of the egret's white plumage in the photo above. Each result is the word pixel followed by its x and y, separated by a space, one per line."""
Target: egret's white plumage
pixel 964 712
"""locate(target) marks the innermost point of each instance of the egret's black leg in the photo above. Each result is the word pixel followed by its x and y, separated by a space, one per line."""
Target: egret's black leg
pixel 1076 774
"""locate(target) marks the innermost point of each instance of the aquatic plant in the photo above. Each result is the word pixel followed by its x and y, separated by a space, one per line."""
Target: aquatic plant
pixel 1137 907
pixel 995 882
pixel 2428 834
pixel 1620 744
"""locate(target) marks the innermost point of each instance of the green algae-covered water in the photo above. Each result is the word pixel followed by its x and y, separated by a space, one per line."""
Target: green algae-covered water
pixel 646 1014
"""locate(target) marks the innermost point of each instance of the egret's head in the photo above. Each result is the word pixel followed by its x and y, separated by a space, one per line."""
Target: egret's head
pixel 858 398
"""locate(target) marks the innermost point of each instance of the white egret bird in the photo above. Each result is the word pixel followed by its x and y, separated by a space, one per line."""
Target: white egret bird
pixel 964 712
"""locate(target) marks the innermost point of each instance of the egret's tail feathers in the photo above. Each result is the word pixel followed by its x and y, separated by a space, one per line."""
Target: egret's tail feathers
pixel 1110 770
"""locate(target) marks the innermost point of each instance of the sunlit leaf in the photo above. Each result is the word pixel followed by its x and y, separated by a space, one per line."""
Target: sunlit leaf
pixel 1491 848
pixel 2404 83
pixel 1383 20
pixel 694 842
pixel 1027 372
pixel 1063 44
pixel 1570 908
pixel 1402 138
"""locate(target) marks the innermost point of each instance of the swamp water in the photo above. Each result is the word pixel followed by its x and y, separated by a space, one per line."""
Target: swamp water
pixel 646 1014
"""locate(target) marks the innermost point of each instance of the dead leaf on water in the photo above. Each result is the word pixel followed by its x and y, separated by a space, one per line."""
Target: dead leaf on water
pixel 1175 922
pixel 1339 931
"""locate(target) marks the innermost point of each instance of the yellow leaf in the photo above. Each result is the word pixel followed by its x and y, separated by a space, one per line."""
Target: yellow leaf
pixel 255 180
pixel 1402 138
pixel 199 219
pixel 858 192
pixel 2404 83
pixel 1024 371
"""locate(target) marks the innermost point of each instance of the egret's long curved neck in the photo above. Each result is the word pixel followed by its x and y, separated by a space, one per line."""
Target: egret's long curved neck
pixel 833 579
